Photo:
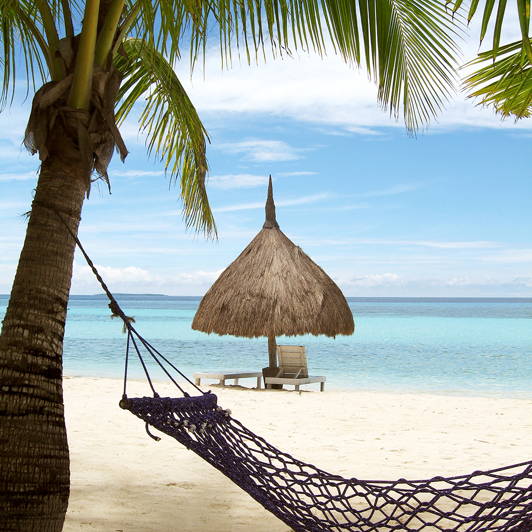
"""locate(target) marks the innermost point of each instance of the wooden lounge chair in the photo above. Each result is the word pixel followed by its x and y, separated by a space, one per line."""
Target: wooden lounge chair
pixel 293 368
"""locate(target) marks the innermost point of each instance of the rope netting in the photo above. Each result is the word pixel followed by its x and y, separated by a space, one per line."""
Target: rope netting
pixel 309 499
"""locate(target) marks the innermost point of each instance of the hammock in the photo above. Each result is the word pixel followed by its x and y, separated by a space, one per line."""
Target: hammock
pixel 309 499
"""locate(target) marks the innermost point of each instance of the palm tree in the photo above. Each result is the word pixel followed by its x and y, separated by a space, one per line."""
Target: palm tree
pixel 95 60
pixel 504 81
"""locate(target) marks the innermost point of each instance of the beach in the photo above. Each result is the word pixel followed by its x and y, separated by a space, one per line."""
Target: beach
pixel 122 480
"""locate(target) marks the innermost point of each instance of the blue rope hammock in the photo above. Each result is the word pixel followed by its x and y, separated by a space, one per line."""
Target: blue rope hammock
pixel 309 499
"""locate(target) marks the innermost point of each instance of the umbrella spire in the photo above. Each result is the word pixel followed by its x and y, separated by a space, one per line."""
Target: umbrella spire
pixel 270 208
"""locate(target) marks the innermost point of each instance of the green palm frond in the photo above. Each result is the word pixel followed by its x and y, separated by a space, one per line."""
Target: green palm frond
pixel 409 51
pixel 504 79
pixel 174 131
pixel 407 45
pixel 505 84
pixel 30 35
pixel 23 41
pixel 417 65
pixel 166 24
pixel 493 17
pixel 249 25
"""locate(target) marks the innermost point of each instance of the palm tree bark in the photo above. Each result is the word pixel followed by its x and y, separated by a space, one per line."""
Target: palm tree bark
pixel 34 457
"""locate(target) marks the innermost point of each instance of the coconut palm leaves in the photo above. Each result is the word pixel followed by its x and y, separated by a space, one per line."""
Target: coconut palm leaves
pixel 505 84
pixel 505 79
pixel 42 36
pixel 408 49
pixel 173 128
pixel 407 45
pixel 489 14
pixel 21 35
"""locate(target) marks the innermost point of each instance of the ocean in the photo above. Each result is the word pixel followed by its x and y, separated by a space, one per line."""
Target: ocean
pixel 452 346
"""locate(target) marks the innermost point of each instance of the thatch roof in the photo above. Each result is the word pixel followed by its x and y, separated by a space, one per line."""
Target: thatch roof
pixel 273 288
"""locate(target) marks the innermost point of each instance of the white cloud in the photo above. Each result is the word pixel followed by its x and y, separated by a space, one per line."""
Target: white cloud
pixel 262 150
pixel 198 278
pixel 130 275
pixel 368 281
pixel 306 88
pixel 24 176
pixel 237 181
pixel 488 281
pixel 134 280
pixel 511 256
pixel 360 130
pixel 302 201
pixel 283 203
pixel 394 285
pixel 326 91
pixel 460 281
pixel 526 281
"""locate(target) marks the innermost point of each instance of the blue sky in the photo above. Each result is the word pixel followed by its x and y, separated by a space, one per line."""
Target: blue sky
pixel 444 214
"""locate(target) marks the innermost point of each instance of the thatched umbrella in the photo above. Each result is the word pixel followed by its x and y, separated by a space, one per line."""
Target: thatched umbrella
pixel 273 288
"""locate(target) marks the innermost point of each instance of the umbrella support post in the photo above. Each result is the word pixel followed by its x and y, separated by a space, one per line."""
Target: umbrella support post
pixel 272 369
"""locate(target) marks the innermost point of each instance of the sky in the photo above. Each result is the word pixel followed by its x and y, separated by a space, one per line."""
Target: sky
pixel 443 214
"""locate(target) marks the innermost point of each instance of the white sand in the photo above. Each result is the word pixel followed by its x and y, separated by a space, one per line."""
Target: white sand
pixel 122 480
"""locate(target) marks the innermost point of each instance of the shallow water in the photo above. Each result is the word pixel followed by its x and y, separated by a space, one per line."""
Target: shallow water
pixel 453 346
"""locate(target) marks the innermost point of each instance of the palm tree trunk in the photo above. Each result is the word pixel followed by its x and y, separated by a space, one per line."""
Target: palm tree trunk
pixel 34 458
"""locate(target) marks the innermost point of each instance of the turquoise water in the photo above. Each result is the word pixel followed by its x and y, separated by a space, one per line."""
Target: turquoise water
pixel 453 346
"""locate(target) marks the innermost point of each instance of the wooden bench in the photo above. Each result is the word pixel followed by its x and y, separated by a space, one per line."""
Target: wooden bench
pixel 222 376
